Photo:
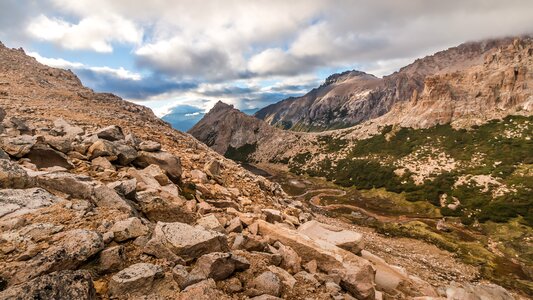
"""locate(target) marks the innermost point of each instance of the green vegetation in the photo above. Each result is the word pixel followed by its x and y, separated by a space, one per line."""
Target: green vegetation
pixel 242 153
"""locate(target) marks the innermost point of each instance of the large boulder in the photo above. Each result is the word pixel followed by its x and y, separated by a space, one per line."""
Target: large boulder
pixel 71 249
pixel 267 283
pixel 66 129
pixel 164 207
pixel 135 279
pixel 13 176
pixel 58 285
pixel 356 273
pixel 44 156
pixel 170 240
pixel 477 292
pixel 15 202
pixel 105 197
pixel 18 146
pixel 149 146
pixel 125 153
pixel 345 239
pixel 102 148
pixel 128 229
pixel 77 186
pixel 168 162
pixel 218 265
pixel 111 133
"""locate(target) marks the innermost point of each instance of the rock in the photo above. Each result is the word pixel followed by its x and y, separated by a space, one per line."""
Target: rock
pixel 20 125
pixel 135 279
pixel 3 154
pixel 128 229
pixel 57 285
pixel 290 260
pixel 204 208
pixel 62 144
pixel 2 114
pixel 233 285
pixel 125 188
pixel 126 154
pixel 199 176
pixel 357 274
pixel 77 186
pixel 311 266
pixel 183 240
pixel 149 146
pixel 272 215
pixel 13 176
pixel 110 133
pixel 181 276
pixel 266 297
pixel 18 146
pixel 19 202
pixel 345 239
pixel 155 172
pixel 160 206
pixel 66 129
pixel 111 259
pixel 40 231
pixel 212 168
pixel 72 249
pixel 288 280
pixel 102 148
pixel 217 266
pixel 234 225
pixel 102 163
pixel 477 292
pixel 210 222
pixel 204 290
pixel 45 157
pixel 267 283
pixel 168 162
pixel 106 197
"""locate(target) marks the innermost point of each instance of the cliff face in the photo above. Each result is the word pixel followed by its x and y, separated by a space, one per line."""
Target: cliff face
pixel 353 97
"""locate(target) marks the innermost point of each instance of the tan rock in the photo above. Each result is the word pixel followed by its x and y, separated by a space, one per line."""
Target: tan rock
pixel 345 239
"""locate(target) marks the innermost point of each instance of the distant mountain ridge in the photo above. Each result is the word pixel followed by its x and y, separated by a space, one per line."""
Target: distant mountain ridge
pixel 352 97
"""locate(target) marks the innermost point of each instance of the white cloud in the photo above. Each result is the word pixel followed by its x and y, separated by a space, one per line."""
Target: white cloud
pixel 92 33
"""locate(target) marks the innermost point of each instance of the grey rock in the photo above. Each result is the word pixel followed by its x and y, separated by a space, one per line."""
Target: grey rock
pixel 18 146
pixel 477 292
pixel 149 146
pixel 57 285
pixel 125 188
pixel 13 176
pixel 44 156
pixel 125 153
pixel 106 197
pixel 128 229
pixel 111 259
pixel 111 133
pixel 77 186
pixel 272 215
pixel 67 129
pixel 218 266
pixel 102 148
pixel 135 279
pixel 267 283
pixel 188 242
pixel 168 162
pixel 210 222
pixel 17 202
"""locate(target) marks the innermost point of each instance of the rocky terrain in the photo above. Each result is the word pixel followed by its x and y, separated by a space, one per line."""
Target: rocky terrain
pixel 480 80
pixel 99 199
pixel 459 150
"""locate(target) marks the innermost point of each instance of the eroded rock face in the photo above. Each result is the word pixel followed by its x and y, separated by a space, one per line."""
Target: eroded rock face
pixel 18 202
pixel 57 285
pixel 183 240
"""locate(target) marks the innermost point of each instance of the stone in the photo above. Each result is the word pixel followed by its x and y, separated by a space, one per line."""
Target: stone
pixel 286 278
pixel 311 266
pixel 110 133
pixel 2 114
pixel 71 249
pixel 290 260
pixel 67 129
pixel 13 176
pixel 345 239
pixel 102 163
pixel 181 276
pixel 57 285
pixel 357 274
pixel 157 173
pixel 102 148
pixel 204 208
pixel 125 188
pixel 266 297
pixel 164 207
pixel 128 229
pixel 62 144
pixel 267 283
pixel 18 202
pixel 107 197
pixel 203 290
pixel 272 215
pixel 183 240
pixel 477 292
pixel 135 279
pixel 38 232
pixel 18 146
pixel 126 154
pixel 149 146
pixel 217 265
pixel 212 168
pixel 199 176
pixel 111 259
pixel 210 222
pixel 234 225
pixel 77 186
pixel 168 162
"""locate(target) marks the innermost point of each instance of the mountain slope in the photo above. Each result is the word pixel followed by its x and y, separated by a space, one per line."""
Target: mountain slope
pixel 353 97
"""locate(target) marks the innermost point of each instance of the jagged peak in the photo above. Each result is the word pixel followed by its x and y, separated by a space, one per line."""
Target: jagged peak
pixel 337 77
pixel 221 106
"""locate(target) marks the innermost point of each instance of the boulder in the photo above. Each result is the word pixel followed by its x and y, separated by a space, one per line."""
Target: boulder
pixel 155 172
pixel 71 249
pixel 107 197
pixel 44 156
pixel 149 146
pixel 356 273
pixel 290 260
pixel 18 146
pixel 125 188
pixel 102 148
pixel 57 285
pixel 272 215
pixel 477 292
pixel 168 162
pixel 135 279
pixel 125 153
pixel 210 222
pixel 218 265
pixel 19 202
pixel 110 133
pixel 77 186
pixel 62 144
pixel 164 207
pixel 234 225
pixel 267 283
pixel 203 290
pixel 101 164
pixel 199 176
pixel 183 240
pixel 345 239
pixel 66 129
pixel 213 167
pixel 128 229
pixel 286 278
pixel 13 176
pixel 111 259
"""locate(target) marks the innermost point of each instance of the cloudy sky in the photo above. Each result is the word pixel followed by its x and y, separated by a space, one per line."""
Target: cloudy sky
pixel 168 54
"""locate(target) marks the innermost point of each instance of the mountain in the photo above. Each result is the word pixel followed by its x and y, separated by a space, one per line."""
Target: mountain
pixel 101 199
pixel 458 149
pixel 353 97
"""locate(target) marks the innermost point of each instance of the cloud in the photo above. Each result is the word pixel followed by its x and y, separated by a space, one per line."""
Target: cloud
pixel 91 33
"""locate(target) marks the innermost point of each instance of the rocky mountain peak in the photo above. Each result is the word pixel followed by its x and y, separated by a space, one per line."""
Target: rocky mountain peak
pixel 340 77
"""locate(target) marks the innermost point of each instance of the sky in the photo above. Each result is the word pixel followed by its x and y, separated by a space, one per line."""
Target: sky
pixel 182 57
